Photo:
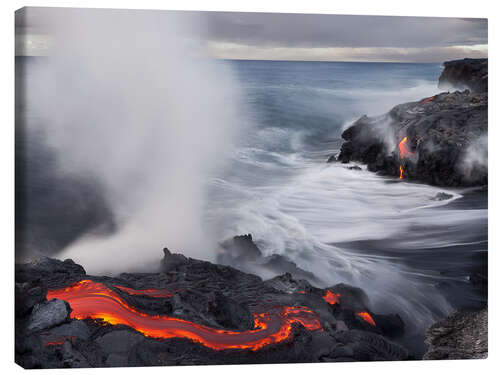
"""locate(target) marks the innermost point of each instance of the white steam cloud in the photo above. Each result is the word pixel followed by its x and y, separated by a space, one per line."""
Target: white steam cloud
pixel 128 97
pixel 476 157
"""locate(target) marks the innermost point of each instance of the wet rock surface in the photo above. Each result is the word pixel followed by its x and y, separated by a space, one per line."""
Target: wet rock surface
pixel 459 336
pixel 446 140
pixel 469 74
pixel 215 296
pixel 241 252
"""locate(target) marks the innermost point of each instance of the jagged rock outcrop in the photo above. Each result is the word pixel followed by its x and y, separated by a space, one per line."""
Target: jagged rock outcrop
pixel 469 74
pixel 242 253
pixel 445 136
pixel 446 140
pixel 459 336
pixel 48 314
pixel 215 296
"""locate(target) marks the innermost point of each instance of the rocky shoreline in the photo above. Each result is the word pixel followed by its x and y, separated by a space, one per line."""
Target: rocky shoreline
pixel 440 140
pixel 209 297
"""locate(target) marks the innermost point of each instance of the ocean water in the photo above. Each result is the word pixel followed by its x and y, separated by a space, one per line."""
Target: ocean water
pixel 412 255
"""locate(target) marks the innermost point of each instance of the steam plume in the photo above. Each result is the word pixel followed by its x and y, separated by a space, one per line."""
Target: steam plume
pixel 128 98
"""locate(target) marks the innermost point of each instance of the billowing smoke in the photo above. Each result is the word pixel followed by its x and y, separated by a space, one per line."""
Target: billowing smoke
pixel 475 160
pixel 128 98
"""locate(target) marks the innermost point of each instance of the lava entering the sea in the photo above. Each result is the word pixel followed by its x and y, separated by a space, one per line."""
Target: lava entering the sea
pixel 90 299
pixel 404 153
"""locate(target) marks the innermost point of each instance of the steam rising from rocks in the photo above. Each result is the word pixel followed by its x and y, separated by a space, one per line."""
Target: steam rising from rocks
pixel 124 100
pixel 476 157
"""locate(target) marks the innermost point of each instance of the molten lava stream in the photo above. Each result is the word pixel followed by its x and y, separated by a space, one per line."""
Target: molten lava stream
pixel 404 152
pixel 156 293
pixel 90 299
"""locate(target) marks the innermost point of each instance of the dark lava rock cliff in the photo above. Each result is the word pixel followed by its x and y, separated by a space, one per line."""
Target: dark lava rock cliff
pixel 444 136
pixel 469 74
pixel 213 296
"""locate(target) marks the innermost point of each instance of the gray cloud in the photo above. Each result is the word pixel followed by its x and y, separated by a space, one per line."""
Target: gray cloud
pixel 313 36
pixel 321 30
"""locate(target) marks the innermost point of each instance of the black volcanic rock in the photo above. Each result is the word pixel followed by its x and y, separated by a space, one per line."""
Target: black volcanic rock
pixel 469 74
pixel 212 295
pixel 242 253
pixel 242 247
pixel 442 196
pixel 459 336
pixel 446 135
pixel 48 314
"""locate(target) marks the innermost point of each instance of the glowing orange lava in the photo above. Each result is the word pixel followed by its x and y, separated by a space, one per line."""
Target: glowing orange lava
pixel 90 299
pixel 157 293
pixel 366 317
pixel 403 149
pixel 54 343
pixel 430 99
pixel 404 153
pixel 331 298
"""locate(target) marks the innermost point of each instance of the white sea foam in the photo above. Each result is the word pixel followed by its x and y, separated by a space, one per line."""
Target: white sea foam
pixel 311 213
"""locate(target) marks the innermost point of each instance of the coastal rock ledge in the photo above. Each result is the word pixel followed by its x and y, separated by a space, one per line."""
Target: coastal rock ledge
pixel 440 140
pixel 192 312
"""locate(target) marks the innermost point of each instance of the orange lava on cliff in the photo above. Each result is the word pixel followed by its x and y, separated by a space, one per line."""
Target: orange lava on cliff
pixel 404 153
pixel 427 100
pixel 90 299
pixel 331 298
pixel 366 317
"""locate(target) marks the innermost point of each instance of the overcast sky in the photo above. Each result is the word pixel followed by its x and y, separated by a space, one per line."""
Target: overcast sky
pixel 281 36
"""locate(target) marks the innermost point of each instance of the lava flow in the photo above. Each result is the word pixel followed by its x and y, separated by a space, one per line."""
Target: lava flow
pixel 427 100
pixel 366 317
pixel 334 298
pixel 404 153
pixel 331 298
pixel 156 293
pixel 90 299
pixel 53 343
